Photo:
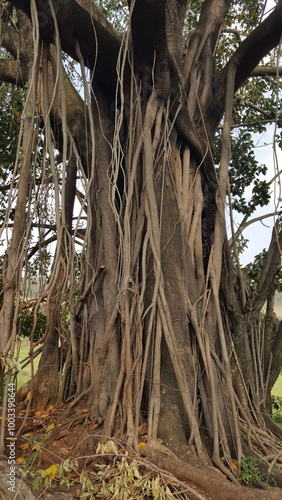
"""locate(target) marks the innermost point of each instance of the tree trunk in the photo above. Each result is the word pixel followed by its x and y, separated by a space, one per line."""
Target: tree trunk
pixel 162 329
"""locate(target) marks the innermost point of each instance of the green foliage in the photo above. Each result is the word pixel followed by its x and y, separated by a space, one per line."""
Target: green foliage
pixel 116 12
pixel 193 15
pixel 28 320
pixel 245 171
pixel 256 270
pixel 278 140
pixel 277 409
pixel 11 107
pixel 249 470
pixel 31 450
pixel 72 70
pixel 39 265
pixel 255 107
pixel 2 389
pixel 255 104
pixel 242 17
pixel 242 244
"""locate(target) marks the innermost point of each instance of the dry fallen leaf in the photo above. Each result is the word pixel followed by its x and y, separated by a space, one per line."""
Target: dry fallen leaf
pixel 36 447
pixel 234 464
pixel 24 446
pixel 66 450
pixel 42 414
pixel 94 426
pixel 51 409
pixel 143 429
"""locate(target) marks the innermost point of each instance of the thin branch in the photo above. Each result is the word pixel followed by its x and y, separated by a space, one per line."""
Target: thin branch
pixel 267 71
pixel 41 244
pixel 51 227
pixel 252 124
pixel 269 270
pixel 256 108
pixel 244 224
pixel 233 32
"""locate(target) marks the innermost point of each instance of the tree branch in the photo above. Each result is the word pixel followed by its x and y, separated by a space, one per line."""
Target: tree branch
pixel 246 58
pixel 253 123
pixel 151 51
pixel 245 223
pixel 257 45
pixel 10 39
pixel 175 19
pixel 267 71
pixel 269 270
pixel 11 72
pixel 80 20
pixel 212 16
pixel 41 244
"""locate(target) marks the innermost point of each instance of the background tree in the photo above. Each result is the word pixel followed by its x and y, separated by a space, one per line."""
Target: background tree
pixel 164 327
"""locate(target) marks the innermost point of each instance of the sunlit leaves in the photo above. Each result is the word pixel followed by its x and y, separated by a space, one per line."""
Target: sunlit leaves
pixel 249 189
pixel 246 171
pixel 29 320
pixel 257 268
pixel 116 12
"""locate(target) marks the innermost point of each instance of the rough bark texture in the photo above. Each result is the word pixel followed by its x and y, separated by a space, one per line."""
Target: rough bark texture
pixel 159 331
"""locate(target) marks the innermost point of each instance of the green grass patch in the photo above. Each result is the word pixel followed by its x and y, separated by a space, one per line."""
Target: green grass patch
pixel 25 374
pixel 277 388
pixel 276 394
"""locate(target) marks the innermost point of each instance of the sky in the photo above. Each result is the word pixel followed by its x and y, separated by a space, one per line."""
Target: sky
pixel 259 233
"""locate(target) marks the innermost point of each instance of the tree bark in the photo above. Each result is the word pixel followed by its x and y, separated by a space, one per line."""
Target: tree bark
pixel 159 332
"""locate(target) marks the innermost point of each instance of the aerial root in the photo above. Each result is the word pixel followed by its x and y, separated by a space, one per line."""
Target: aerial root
pixel 207 480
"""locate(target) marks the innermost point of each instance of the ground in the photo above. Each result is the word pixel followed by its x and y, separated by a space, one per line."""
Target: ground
pixel 58 453
pixel 60 456
pixel 55 448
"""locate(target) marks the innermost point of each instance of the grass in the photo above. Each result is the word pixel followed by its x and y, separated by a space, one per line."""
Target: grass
pixel 277 401
pixel 277 388
pixel 25 374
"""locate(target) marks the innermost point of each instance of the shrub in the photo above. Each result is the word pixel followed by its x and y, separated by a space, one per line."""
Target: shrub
pixel 249 470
